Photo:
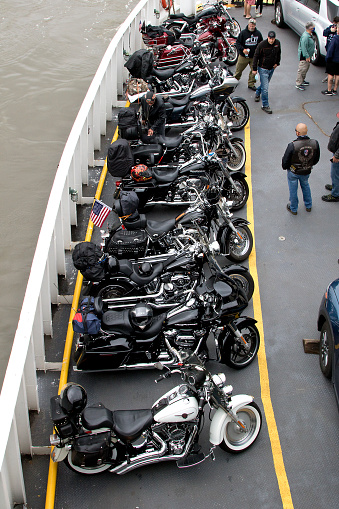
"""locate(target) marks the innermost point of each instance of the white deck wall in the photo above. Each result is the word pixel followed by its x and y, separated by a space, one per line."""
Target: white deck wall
pixel 20 392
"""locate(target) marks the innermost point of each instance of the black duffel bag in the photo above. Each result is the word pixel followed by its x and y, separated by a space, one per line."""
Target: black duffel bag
pixel 119 158
pixel 87 257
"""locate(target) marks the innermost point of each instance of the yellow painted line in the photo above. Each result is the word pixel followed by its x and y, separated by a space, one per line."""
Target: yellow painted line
pixel 53 467
pixel 278 460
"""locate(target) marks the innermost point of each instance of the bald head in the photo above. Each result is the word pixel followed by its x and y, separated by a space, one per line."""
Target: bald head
pixel 301 129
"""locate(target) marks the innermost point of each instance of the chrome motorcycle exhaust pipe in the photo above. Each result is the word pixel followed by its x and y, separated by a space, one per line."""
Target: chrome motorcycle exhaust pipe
pixel 171 203
pixel 126 367
pixel 153 457
pixel 183 124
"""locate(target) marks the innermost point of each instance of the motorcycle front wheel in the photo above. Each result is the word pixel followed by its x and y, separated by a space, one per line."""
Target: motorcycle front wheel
pixel 238 355
pixel 85 470
pixel 231 55
pixel 237 246
pixel 244 280
pixel 235 28
pixel 236 439
pixel 238 115
pixel 236 161
pixel 239 198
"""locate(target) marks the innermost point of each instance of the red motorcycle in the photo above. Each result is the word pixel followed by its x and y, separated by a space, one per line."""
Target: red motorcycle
pixel 171 47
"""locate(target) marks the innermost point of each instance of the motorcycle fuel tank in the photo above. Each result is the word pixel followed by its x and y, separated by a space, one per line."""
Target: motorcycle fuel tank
pixel 177 405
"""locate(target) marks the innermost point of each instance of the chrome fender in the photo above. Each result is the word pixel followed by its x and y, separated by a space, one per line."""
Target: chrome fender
pixel 221 418
pixel 59 454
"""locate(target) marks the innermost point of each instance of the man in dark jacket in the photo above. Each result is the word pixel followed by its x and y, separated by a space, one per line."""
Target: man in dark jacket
pixel 333 146
pixel 299 158
pixel 246 43
pixel 153 113
pixel 266 59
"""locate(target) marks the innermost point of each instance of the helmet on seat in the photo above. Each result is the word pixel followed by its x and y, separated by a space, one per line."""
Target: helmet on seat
pixel 141 316
pixel 73 398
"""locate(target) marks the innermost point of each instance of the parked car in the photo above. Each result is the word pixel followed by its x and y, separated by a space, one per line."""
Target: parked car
pixel 296 13
pixel 328 325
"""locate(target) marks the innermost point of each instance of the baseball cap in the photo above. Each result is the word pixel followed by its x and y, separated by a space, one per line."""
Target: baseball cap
pixel 149 95
pixel 271 34
pixel 252 20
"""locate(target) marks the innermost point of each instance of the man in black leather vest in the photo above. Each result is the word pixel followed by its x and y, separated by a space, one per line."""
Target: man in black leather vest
pixel 299 158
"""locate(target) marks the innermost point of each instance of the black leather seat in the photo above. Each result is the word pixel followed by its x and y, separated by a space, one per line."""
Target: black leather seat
pixel 156 228
pixel 97 416
pixel 165 176
pixel 117 321
pixel 162 74
pixel 179 102
pixel 170 142
pixel 129 424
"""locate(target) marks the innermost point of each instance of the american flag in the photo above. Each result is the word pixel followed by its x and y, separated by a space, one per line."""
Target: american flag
pixel 99 212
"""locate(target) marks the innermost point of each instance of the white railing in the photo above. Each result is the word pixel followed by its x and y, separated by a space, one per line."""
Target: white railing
pixel 20 392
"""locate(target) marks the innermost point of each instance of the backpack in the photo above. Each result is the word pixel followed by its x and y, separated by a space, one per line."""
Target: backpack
pixel 85 321
pixel 136 86
pixel 128 123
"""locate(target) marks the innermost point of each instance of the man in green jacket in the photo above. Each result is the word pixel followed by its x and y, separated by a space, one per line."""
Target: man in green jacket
pixel 305 52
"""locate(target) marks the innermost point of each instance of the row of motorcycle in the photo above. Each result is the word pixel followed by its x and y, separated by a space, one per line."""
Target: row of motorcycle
pixel 157 293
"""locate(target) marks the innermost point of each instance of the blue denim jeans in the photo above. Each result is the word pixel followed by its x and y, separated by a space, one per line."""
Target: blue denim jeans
pixel 265 78
pixel 335 179
pixel 293 180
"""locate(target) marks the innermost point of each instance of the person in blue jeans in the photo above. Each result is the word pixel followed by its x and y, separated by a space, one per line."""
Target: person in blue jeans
pixel 265 60
pixel 299 158
pixel 333 146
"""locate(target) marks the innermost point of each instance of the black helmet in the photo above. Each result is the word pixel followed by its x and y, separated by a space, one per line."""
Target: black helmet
pixel 73 398
pixel 141 316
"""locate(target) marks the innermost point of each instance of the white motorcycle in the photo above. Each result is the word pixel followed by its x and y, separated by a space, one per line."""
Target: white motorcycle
pixel 93 439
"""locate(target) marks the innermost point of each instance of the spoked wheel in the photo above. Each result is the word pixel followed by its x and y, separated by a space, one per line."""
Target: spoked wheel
pixel 238 197
pixel 236 161
pixel 235 28
pixel 238 354
pixel 326 350
pixel 237 246
pixel 238 115
pixel 237 439
pixel 114 290
pixel 231 55
pixel 244 280
pixel 85 470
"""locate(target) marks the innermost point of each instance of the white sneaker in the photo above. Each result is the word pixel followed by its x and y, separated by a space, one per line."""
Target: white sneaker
pixel 258 15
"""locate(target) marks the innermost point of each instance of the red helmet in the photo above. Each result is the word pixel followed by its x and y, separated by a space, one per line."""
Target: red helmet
pixel 140 173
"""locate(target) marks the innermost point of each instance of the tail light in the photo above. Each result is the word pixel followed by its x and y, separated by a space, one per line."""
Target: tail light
pixel 118 183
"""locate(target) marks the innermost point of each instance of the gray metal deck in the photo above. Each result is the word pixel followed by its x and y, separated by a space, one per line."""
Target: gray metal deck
pixel 293 274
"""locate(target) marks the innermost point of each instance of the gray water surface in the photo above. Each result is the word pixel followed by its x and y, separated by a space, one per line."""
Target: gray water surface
pixel 49 54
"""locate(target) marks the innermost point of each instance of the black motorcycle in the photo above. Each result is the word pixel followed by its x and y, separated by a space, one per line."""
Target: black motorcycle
pixel 163 278
pixel 175 185
pixel 136 336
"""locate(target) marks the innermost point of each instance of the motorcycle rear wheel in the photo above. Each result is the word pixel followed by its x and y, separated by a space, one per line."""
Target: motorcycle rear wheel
pixel 235 354
pixel 114 290
pixel 244 280
pixel 85 470
pixel 234 247
pixel 236 440
pixel 239 200
pixel 238 116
